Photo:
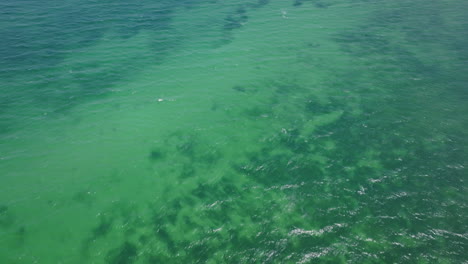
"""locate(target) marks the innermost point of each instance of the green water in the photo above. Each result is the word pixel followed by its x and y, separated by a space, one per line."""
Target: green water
pixel 209 131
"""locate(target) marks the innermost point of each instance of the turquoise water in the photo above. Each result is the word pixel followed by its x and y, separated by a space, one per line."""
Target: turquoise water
pixel 209 131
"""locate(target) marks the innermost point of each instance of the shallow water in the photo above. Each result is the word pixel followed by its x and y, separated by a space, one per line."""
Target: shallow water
pixel 306 131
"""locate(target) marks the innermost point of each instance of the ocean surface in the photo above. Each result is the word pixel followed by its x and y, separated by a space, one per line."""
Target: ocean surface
pixel 233 131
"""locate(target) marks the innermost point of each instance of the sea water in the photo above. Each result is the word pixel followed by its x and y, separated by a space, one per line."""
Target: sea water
pixel 240 131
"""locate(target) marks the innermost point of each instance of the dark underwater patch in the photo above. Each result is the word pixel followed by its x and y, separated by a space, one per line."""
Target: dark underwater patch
pixel 232 22
pixel 3 209
pixel 261 3
pixel 21 234
pixel 188 171
pixel 292 139
pixel 195 150
pixel 103 228
pixel 316 3
pixel 127 253
pixel 156 155
pixel 297 3
pixel 286 88
pixel 316 107
pixel 237 18
pixel 255 112
pixel 239 88
pixel 320 4
pixel 6 217
pixel 84 197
